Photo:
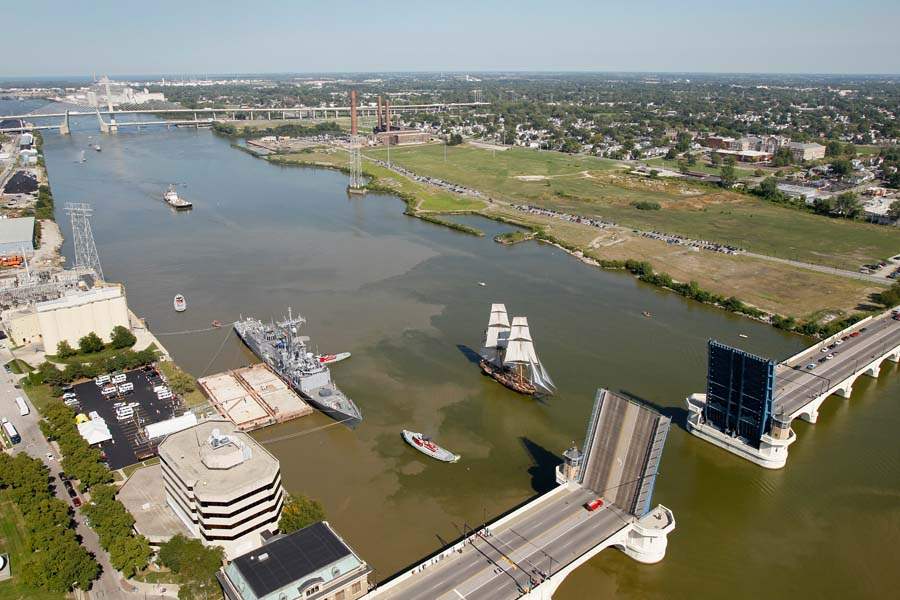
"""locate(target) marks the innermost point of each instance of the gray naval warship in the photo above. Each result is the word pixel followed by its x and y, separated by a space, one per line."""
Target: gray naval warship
pixel 279 346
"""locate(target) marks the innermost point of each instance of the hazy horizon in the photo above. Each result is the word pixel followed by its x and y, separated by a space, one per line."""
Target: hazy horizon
pixel 60 40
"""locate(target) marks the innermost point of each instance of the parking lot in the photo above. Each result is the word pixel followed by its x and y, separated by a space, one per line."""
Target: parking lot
pixel 128 444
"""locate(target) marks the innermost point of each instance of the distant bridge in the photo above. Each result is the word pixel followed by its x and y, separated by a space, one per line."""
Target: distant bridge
pixel 529 552
pixel 206 116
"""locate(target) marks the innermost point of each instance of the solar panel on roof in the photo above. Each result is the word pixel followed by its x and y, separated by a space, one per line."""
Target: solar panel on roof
pixel 290 558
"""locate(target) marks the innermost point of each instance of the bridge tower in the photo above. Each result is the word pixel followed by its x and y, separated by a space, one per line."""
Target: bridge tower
pixel 104 128
pixel 64 126
pixel 83 237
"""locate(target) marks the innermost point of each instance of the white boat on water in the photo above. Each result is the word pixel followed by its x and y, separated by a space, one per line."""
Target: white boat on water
pixel 172 199
pixel 327 359
pixel 424 445
pixel 82 158
pixel 180 303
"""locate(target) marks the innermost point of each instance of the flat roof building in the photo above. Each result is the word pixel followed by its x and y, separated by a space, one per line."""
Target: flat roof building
pixel 223 485
pixel 17 236
pixel 313 563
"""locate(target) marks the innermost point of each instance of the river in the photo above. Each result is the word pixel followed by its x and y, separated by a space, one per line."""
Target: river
pixel 402 295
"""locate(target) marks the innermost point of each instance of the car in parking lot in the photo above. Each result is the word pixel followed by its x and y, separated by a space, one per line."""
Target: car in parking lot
pixel 829 357
pixel 811 366
pixel 594 504
pixel 839 342
pixel 854 334
pixel 76 501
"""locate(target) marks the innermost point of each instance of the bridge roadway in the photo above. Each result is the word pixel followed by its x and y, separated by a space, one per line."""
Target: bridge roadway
pixel 501 565
pixel 276 111
pixel 796 385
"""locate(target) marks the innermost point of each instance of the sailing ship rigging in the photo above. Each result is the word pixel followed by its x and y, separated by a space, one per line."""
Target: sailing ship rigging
pixel 508 355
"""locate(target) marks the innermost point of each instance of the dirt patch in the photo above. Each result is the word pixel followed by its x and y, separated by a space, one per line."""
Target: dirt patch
pixel 531 177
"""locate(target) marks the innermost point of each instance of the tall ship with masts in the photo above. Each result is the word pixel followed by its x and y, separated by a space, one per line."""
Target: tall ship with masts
pixel 508 355
pixel 279 346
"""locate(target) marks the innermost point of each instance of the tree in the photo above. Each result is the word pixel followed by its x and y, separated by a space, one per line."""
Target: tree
pixel 194 565
pixel 299 512
pixel 455 139
pixel 715 159
pixel 768 188
pixel 729 178
pixel 823 206
pixel 90 343
pixel 692 159
pixel 683 142
pixel 64 349
pixel 834 148
pixel 782 157
pixel 847 205
pixel 122 338
pixel 889 297
pixel 181 383
pixel 841 167
pixel 671 154
pixel 893 211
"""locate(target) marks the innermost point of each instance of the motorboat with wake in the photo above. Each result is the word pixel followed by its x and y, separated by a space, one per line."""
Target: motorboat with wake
pixel 180 303
pixel 424 445
pixel 172 199
pixel 327 359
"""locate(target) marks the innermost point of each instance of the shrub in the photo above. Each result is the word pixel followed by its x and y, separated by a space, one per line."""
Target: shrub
pixel 646 205
pixel 90 343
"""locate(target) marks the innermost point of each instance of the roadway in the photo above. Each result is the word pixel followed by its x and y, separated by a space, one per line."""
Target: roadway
pixel 796 385
pixel 110 584
pixel 502 564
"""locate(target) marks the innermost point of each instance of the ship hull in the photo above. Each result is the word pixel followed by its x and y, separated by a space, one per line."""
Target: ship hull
pixel 351 421
pixel 507 379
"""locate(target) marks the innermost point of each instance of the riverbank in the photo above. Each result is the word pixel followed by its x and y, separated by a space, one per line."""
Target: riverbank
pixel 775 292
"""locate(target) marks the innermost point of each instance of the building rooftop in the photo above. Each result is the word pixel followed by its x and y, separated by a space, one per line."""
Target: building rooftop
pixel 214 458
pixel 75 298
pixel 18 230
pixel 144 497
pixel 312 555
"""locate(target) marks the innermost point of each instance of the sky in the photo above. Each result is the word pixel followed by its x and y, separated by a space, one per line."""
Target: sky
pixel 301 36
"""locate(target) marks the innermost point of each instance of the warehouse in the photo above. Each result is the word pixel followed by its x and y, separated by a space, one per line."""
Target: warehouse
pixel 17 236
pixel 78 313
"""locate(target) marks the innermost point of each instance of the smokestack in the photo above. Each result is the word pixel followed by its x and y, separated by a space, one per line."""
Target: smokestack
pixel 353 122
pixel 380 121
pixel 387 113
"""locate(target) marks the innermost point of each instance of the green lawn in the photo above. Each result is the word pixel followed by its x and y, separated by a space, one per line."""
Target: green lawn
pixel 692 210
pixel 19 366
pixel 40 395
pixel 130 469
pixel 84 358
pixel 191 399
pixel 13 542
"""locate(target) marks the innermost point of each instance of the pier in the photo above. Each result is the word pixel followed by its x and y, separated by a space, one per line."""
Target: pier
pixel 531 550
pixel 796 388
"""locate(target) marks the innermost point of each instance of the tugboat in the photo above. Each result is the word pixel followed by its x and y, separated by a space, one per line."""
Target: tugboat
pixel 172 199
pixel 508 355
pixel 180 303
pixel 424 445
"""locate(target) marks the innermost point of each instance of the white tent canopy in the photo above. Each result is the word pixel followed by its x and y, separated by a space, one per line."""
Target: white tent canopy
pixel 174 425
pixel 94 431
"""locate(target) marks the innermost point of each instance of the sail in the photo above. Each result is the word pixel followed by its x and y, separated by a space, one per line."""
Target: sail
pixel 497 333
pixel 519 348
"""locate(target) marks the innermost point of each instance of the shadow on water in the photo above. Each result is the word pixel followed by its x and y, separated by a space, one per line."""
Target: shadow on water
pixel 472 356
pixel 676 413
pixel 543 469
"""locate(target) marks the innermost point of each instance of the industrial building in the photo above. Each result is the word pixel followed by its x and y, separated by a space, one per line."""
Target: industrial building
pixel 223 485
pixel 313 563
pixel 803 151
pixel 69 318
pixel 17 236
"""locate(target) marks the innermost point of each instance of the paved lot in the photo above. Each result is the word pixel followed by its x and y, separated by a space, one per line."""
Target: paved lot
pixel 128 445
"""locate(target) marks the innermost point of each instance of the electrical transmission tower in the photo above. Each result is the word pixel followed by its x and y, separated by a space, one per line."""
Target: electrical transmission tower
pixel 83 238
pixel 357 185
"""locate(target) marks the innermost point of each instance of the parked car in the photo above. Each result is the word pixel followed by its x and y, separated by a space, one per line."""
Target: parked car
pixel 76 501
pixel 811 366
pixel 594 504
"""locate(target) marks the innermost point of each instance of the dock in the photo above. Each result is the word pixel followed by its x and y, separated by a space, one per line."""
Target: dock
pixel 253 397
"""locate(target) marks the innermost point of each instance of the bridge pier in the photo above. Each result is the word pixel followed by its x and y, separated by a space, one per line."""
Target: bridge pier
pixel 64 126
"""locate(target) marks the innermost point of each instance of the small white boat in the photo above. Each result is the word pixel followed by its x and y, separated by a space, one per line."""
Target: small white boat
pixel 180 303
pixel 424 445
pixel 743 335
pixel 327 359
pixel 482 284
pixel 98 148
pixel 82 159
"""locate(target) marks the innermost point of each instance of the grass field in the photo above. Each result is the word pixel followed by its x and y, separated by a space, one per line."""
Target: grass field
pixel 429 198
pixel 40 395
pixel 597 187
pixel 191 399
pixel 19 366
pixel 13 542
pixel 701 166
